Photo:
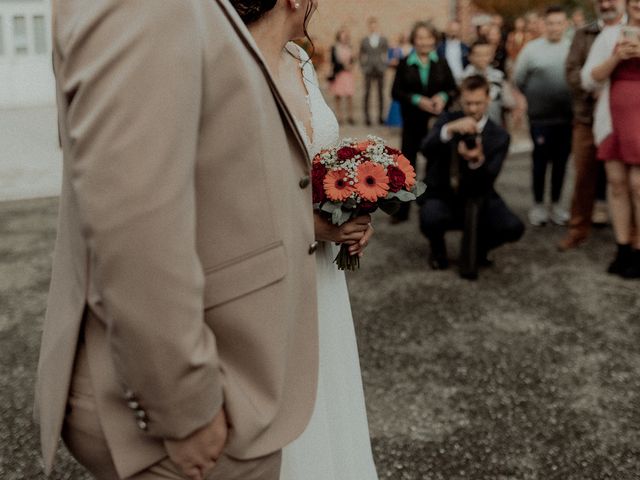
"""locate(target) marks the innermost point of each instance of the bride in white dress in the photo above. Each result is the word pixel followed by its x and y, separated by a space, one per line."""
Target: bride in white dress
pixel 335 444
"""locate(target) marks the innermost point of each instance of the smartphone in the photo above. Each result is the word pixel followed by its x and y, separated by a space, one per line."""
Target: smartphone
pixel 630 33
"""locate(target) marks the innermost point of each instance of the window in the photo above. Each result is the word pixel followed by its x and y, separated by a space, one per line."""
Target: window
pixel 1 36
pixel 40 34
pixel 20 40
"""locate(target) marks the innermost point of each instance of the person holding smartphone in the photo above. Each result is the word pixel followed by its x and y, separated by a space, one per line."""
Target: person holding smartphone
pixel 613 70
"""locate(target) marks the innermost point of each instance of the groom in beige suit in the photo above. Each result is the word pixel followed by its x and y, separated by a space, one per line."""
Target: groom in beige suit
pixel 181 332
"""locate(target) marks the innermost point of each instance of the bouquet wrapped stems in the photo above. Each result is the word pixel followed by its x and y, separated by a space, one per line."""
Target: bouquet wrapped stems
pixel 346 261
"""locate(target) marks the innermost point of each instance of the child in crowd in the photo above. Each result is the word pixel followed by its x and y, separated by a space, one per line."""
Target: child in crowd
pixel 480 58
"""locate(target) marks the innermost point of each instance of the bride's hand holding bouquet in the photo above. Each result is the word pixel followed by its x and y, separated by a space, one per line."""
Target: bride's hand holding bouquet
pixel 356 233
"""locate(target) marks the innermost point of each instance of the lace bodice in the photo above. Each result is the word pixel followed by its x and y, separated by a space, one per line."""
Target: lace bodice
pixel 326 131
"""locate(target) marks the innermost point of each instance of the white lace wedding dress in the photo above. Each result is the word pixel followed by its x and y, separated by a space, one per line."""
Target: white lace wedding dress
pixel 336 444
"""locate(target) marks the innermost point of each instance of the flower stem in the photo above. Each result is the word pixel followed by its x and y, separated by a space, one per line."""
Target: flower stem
pixel 346 261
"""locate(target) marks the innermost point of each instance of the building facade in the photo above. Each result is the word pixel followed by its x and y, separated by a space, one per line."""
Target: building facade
pixel 26 77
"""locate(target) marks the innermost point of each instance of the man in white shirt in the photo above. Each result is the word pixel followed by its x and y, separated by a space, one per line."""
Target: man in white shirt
pixel 454 50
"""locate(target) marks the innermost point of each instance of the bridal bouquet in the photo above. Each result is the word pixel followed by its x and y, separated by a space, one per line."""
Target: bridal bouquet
pixel 359 177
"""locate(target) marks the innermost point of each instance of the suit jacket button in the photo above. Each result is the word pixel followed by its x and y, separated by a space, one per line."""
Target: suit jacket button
pixel 313 248
pixel 141 414
pixel 305 181
pixel 133 405
pixel 129 395
pixel 142 425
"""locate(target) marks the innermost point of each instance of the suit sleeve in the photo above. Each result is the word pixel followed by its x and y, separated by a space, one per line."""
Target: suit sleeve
pixel 575 61
pixel 484 177
pixel 432 142
pixel 132 76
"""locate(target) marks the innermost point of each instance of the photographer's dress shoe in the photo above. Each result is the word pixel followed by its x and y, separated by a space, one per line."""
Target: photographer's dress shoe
pixel 472 276
pixel 438 259
pixel 438 262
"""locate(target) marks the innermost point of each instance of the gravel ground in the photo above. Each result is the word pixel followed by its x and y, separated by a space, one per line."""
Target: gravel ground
pixel 531 373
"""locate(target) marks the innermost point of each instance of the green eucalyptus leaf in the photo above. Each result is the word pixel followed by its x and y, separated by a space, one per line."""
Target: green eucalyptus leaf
pixel 330 207
pixel 419 189
pixel 402 195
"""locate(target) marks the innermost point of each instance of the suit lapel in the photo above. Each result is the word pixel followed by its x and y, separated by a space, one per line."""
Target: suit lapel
pixel 251 45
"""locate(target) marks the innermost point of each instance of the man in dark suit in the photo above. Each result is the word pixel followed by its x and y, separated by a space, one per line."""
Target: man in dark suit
pixel 465 152
pixel 374 51
pixel 454 50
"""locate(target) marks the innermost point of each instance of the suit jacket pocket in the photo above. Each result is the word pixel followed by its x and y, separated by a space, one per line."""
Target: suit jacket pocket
pixel 248 273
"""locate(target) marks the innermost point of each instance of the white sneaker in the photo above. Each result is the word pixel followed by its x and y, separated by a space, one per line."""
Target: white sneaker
pixel 559 215
pixel 538 215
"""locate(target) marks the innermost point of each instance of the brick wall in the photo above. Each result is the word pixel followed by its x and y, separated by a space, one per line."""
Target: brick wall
pixel 395 16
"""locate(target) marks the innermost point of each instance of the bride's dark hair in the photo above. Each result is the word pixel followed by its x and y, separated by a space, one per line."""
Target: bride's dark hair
pixel 253 10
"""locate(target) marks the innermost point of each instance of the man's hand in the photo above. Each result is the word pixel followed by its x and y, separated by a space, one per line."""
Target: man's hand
pixel 197 455
pixel 463 126
pixel 472 155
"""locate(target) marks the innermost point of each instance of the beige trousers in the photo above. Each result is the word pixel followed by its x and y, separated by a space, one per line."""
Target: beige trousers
pixel 83 436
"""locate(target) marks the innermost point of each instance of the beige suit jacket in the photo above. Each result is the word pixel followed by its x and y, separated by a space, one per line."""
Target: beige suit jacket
pixel 186 229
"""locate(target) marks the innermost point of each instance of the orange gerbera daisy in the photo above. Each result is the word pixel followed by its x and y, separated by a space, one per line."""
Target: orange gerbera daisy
pixel 405 165
pixel 336 187
pixel 373 182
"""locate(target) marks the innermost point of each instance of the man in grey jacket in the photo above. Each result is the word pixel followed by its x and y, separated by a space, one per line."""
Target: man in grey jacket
pixel 373 61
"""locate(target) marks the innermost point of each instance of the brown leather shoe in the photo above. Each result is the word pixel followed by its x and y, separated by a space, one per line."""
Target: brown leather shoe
pixel 570 242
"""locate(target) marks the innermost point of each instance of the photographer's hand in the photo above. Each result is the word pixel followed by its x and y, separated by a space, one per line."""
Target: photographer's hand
pixel 463 126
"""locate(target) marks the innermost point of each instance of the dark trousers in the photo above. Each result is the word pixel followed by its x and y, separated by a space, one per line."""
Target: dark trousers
pixel 369 79
pixel 497 224
pixel 412 135
pixel 551 144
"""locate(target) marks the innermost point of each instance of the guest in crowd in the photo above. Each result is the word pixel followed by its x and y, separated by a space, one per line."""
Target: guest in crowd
pixel 540 74
pixel 480 57
pixel 373 63
pixel 396 53
pixel 535 26
pixel 342 85
pixel 454 50
pixel 400 50
pixel 465 152
pixel 614 66
pixel 423 85
pixel 588 170
pixel 517 39
pixel 495 38
pixel 578 19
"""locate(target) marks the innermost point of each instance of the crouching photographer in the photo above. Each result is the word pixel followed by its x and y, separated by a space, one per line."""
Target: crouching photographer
pixel 465 152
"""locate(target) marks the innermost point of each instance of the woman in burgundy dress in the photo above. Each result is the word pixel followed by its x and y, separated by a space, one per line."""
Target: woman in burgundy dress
pixel 616 130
